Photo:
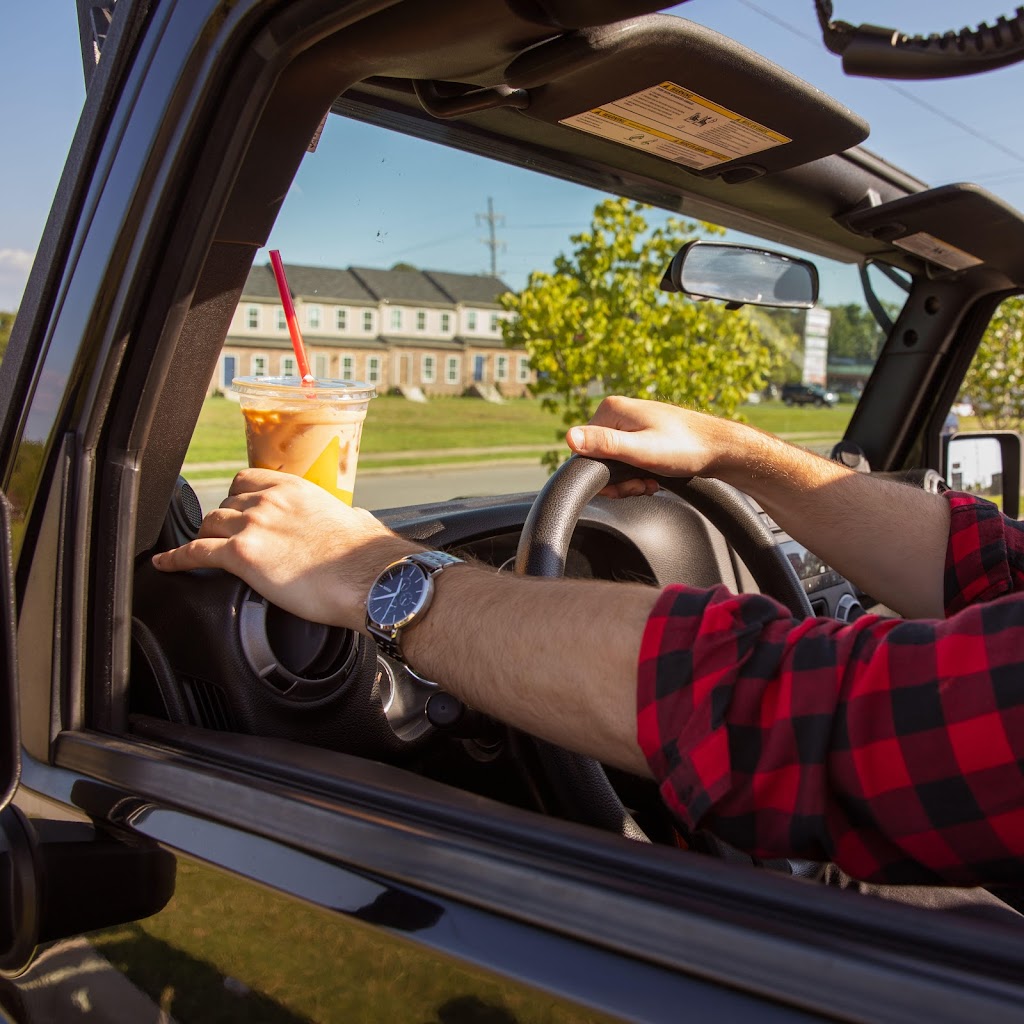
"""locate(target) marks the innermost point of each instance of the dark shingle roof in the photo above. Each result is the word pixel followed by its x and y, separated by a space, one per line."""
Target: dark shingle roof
pixel 476 289
pixel 324 283
pixel 371 285
pixel 401 286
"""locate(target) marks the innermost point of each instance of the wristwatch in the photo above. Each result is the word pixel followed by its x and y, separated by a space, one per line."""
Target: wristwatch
pixel 400 596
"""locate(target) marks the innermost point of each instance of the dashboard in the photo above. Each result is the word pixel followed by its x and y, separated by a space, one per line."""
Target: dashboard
pixel 208 651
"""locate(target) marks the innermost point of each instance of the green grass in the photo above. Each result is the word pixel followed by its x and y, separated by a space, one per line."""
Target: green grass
pixel 777 418
pixel 395 425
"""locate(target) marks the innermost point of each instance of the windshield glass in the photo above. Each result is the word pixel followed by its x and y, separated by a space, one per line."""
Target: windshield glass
pixel 492 306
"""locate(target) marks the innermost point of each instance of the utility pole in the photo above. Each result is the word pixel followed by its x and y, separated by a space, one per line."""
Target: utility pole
pixel 492 220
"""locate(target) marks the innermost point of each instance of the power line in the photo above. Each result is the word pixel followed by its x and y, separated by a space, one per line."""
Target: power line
pixel 899 90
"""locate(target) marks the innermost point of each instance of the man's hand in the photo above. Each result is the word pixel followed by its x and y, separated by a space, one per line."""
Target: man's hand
pixel 295 544
pixel 888 538
pixel 663 439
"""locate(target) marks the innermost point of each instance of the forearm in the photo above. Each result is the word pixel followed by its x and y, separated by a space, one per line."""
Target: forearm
pixel 888 538
pixel 556 658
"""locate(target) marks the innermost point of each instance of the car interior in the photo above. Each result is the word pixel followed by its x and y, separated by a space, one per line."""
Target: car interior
pixel 198 662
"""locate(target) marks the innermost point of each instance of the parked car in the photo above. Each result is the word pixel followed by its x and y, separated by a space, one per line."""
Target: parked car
pixel 808 394
pixel 217 811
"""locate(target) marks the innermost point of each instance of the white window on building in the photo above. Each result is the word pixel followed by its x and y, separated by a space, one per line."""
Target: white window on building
pixel 373 369
pixel 446 323
pixel 348 368
pixel 321 366
pixel 258 366
pixel 341 319
pixel 368 320
pixel 313 314
pixel 471 320
pixel 495 322
pixel 282 320
pixel 421 320
pixel 524 369
pixel 428 369
pixel 252 318
pixel 396 319
pixel 288 366
pixel 501 368
pixel 451 370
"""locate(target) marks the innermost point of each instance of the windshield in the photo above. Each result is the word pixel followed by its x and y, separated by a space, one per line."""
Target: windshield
pixel 492 306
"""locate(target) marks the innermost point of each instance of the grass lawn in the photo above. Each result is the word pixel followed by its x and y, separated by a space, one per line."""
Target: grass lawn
pixel 398 425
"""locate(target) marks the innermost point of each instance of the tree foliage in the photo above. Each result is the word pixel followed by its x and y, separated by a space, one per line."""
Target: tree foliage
pixel 6 323
pixel 995 381
pixel 854 334
pixel 599 324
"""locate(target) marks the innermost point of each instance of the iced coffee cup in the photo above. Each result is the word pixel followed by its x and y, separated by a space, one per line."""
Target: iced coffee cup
pixel 310 430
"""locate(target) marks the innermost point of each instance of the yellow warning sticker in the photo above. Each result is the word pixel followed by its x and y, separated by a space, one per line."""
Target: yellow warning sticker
pixel 676 124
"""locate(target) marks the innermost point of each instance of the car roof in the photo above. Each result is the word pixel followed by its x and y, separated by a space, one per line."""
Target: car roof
pixel 485 77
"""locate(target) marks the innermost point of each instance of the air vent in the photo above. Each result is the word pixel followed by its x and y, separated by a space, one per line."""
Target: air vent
pixel 207 705
pixel 298 660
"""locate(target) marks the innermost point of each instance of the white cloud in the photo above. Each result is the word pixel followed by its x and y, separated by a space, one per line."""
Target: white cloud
pixel 14 267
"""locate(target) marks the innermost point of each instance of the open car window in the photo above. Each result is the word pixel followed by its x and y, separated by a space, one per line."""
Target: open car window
pixel 411 264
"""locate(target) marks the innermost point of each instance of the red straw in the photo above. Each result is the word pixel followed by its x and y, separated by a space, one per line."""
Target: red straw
pixel 289 315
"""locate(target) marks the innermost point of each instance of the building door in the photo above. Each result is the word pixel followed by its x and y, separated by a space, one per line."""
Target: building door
pixel 405 369
pixel 230 370
pixel 479 366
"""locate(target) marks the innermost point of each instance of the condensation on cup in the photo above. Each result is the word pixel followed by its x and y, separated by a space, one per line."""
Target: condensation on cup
pixel 309 430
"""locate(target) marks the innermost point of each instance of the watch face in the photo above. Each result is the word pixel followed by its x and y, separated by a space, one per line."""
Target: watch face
pixel 399 593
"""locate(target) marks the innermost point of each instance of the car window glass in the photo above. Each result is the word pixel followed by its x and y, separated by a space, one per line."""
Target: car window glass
pixel 398 252
pixel 991 399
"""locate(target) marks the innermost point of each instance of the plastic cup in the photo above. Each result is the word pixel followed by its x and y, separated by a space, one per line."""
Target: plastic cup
pixel 310 430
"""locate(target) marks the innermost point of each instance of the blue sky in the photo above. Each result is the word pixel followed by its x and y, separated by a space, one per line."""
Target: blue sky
pixel 969 129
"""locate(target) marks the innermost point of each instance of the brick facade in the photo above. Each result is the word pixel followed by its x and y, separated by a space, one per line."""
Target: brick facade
pixel 433 330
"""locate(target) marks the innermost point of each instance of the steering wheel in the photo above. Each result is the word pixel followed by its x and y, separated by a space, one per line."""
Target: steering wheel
pixel 579 782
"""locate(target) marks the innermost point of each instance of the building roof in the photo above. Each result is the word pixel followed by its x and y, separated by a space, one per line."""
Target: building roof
pixel 310 283
pixel 401 286
pixel 474 289
pixel 370 285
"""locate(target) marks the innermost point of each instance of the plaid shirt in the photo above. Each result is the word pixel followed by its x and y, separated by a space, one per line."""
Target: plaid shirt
pixel 891 747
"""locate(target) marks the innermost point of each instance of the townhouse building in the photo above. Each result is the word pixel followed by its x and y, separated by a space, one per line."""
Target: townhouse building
pixel 436 331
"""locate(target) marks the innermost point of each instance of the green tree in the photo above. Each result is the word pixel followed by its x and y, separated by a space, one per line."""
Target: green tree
pixel 995 382
pixel 6 323
pixel 854 334
pixel 599 324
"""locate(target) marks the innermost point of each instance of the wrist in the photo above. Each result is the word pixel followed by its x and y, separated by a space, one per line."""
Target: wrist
pixel 361 569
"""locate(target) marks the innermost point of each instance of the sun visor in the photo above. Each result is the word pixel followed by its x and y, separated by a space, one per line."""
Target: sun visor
pixel 676 91
pixel 952 228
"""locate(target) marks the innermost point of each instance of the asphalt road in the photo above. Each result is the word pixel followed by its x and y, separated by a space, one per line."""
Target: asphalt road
pixel 386 489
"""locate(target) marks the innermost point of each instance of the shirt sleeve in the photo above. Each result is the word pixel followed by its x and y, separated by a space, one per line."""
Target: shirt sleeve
pixel 890 747
pixel 985 555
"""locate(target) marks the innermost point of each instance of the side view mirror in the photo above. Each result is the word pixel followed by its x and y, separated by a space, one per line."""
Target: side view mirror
pixel 986 464
pixel 742 275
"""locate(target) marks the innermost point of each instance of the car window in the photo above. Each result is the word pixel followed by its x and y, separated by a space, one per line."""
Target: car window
pixel 479 300
pixel 991 400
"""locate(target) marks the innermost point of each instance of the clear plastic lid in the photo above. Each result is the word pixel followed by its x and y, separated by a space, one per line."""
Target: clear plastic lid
pixel 292 388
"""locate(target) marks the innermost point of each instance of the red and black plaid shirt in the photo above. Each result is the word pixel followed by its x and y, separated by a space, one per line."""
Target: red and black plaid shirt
pixel 894 748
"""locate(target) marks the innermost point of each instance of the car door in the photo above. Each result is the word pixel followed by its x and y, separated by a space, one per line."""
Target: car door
pixel 238 877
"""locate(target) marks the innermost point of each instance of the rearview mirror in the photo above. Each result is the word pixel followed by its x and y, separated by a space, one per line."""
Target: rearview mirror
pixel 742 275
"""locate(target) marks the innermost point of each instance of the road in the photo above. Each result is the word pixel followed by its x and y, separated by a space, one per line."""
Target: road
pixel 391 489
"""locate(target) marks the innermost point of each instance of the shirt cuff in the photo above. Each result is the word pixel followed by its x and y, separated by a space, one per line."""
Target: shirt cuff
pixel 977 564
